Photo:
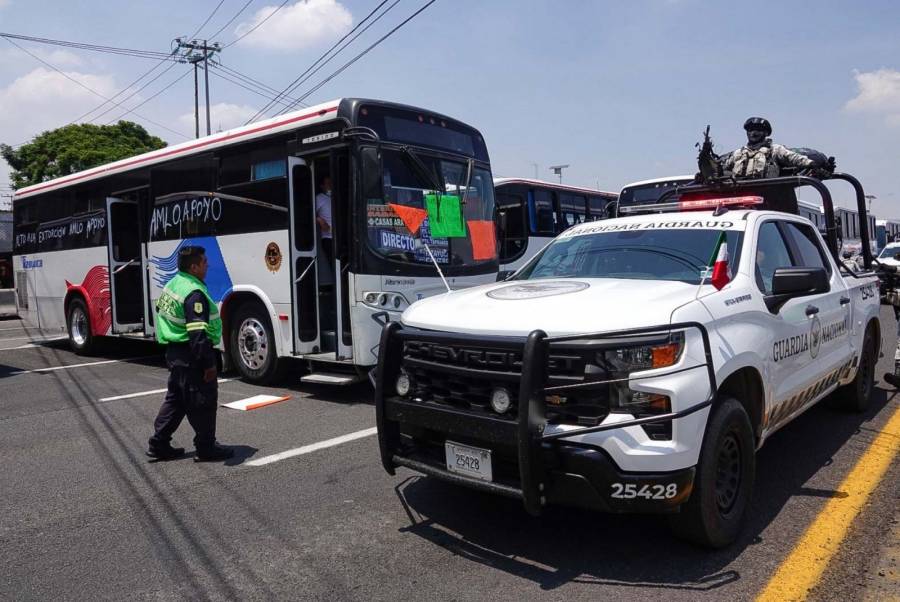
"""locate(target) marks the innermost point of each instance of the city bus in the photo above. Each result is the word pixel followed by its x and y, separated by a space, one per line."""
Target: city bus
pixel 530 213
pixel 887 231
pixel 849 237
pixel 94 249
pixel 647 192
pixel 813 213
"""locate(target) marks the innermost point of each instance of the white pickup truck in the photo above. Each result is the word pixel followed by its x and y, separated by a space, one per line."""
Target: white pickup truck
pixel 611 373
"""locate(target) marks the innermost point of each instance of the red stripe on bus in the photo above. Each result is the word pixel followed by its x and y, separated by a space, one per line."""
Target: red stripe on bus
pixel 181 150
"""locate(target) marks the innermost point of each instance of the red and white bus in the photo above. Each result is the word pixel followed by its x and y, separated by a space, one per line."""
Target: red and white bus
pixel 94 249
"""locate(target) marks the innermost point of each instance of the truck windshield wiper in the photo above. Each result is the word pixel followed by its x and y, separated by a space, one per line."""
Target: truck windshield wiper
pixel 422 170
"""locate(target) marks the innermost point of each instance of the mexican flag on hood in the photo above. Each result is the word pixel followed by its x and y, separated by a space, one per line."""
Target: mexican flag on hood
pixel 719 263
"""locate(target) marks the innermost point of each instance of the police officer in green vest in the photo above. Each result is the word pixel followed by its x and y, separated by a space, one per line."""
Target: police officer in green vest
pixel 188 323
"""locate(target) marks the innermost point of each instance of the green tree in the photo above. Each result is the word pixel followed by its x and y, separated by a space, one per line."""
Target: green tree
pixel 74 148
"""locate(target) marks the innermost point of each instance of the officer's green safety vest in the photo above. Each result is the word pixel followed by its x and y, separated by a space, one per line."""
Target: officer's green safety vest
pixel 170 323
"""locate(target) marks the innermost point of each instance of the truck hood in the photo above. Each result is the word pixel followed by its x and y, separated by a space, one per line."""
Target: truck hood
pixel 558 307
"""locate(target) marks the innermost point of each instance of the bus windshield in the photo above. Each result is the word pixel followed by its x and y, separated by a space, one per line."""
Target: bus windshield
pixel 682 255
pixel 406 177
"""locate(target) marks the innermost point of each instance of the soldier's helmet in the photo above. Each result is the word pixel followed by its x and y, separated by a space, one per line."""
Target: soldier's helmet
pixel 758 123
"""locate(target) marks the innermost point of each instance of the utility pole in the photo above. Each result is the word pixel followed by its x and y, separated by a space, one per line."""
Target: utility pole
pixel 192 55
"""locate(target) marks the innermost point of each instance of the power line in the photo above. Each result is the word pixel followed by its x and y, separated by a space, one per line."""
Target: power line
pixel 151 54
pixel 255 27
pixel 361 54
pixel 237 14
pixel 89 89
pixel 272 92
pixel 243 85
pixel 293 85
pixel 148 99
pixel 133 94
pixel 211 15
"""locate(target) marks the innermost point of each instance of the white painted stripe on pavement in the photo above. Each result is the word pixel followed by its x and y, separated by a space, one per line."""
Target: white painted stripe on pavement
pixel 33 339
pixel 54 368
pixel 145 393
pixel 308 449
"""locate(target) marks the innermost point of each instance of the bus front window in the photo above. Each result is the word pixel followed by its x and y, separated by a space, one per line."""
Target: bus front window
pixel 406 178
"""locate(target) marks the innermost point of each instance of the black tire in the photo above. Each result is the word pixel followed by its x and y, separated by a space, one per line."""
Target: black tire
pixel 714 514
pixel 252 344
pixel 78 327
pixel 856 395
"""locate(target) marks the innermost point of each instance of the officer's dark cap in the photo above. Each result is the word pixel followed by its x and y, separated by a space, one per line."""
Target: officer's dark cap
pixel 758 123
pixel 189 255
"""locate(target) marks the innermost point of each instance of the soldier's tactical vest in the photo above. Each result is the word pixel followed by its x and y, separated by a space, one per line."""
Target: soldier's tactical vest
pixel 170 323
pixel 755 163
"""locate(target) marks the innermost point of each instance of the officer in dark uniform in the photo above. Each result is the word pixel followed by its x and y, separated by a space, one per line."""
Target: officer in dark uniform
pixel 188 323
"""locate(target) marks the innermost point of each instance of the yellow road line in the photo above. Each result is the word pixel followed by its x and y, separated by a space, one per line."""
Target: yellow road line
pixel 803 568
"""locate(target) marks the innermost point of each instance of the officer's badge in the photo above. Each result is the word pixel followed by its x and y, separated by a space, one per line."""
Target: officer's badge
pixel 273 257
pixel 198 308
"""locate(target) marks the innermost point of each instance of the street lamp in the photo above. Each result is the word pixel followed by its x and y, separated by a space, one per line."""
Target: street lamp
pixel 870 198
pixel 558 169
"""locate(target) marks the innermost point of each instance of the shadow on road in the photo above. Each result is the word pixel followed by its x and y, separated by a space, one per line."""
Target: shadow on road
pixel 575 546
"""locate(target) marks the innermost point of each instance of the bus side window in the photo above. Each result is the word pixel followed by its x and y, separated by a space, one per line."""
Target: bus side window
pixel 511 217
pixel 573 208
pixel 597 207
pixel 540 213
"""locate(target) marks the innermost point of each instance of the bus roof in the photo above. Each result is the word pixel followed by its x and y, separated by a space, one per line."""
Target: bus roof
pixel 288 121
pixel 342 107
pixel 658 180
pixel 535 182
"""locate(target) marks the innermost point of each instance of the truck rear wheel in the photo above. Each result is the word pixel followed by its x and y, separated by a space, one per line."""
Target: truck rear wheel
pixel 252 344
pixel 856 395
pixel 714 514
pixel 78 327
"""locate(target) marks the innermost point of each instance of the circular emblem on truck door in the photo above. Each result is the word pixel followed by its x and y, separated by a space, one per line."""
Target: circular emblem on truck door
pixel 815 337
pixel 273 257
pixel 537 289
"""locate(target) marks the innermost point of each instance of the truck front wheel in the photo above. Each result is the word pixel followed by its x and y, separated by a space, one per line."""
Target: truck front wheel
pixel 714 514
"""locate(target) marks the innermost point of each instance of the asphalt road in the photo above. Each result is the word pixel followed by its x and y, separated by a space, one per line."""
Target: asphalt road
pixel 86 516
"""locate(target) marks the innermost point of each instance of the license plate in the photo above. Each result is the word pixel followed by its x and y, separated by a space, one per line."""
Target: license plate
pixel 470 461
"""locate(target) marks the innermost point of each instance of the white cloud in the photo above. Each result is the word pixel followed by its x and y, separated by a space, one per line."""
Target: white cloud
pixel 223 116
pixel 878 92
pixel 43 99
pixel 301 25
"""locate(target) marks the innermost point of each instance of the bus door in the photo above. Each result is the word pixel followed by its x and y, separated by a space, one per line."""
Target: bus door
pixel 127 265
pixel 304 275
pixel 342 216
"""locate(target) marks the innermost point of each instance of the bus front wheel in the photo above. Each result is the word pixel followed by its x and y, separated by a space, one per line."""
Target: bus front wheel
pixel 78 324
pixel 252 344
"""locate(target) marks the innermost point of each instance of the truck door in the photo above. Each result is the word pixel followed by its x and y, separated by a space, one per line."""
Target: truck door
pixel 830 326
pixel 304 275
pixel 127 265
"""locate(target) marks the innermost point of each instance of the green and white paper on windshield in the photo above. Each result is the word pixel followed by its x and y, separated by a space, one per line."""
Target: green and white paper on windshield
pixel 445 216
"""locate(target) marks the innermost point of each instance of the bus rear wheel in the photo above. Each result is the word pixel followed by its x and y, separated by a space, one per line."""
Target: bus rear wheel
pixel 252 344
pixel 78 325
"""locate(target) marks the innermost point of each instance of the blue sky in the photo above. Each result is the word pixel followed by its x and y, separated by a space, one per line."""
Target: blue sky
pixel 619 90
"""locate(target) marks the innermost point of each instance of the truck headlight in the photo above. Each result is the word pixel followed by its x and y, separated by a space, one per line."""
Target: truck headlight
pixel 635 358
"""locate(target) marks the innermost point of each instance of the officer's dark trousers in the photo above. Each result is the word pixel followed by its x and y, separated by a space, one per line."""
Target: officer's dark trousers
pixel 187 396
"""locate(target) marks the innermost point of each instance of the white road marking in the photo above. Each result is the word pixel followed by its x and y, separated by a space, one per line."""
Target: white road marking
pixel 308 449
pixel 145 393
pixel 54 368
pixel 30 345
pixel 33 339
pixel 16 328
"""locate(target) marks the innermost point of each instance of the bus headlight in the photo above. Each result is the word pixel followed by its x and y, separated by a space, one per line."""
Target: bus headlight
pixel 385 300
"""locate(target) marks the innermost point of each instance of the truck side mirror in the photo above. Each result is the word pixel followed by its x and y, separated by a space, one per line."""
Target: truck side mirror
pixel 789 283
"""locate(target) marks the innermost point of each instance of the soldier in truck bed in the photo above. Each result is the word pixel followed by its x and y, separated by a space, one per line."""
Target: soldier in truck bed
pixel 760 157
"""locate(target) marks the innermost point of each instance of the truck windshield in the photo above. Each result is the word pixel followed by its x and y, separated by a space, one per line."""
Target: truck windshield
pixel 682 255
pixel 406 177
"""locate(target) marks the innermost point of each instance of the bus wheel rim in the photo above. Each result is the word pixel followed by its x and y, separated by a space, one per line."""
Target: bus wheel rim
pixel 253 344
pixel 79 327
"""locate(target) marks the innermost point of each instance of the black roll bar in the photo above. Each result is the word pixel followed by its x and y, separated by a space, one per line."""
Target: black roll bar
pixel 730 185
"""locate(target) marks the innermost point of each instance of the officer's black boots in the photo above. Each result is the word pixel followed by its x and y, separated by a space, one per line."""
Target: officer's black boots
pixel 216 453
pixel 166 452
